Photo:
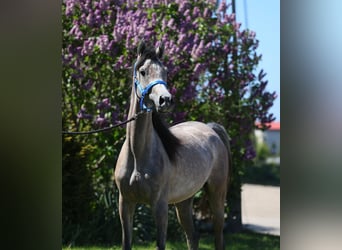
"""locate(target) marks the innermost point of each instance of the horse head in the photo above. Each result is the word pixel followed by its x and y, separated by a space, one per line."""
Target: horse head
pixel 150 79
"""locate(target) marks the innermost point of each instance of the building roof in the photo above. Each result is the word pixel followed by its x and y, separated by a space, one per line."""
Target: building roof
pixel 273 126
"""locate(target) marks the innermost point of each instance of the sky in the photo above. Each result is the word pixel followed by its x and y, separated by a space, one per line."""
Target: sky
pixel 263 17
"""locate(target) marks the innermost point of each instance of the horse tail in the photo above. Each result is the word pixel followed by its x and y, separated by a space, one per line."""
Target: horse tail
pixel 222 133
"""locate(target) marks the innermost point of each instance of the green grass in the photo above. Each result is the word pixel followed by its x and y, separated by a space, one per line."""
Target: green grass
pixel 239 241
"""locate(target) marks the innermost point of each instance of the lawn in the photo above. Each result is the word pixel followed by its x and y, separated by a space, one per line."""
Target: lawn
pixel 239 241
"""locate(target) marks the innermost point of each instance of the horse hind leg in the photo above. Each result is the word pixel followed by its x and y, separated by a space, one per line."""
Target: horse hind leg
pixel 216 196
pixel 184 215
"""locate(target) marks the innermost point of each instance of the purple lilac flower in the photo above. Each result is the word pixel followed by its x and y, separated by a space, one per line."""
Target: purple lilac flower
pixel 222 7
pixel 104 104
pixel 88 85
pixel 250 153
pixel 88 46
pixel 100 121
pixel 187 13
pixel 196 12
pixel 83 115
pixel 75 31
pixel 102 42
pixel 70 5
pixel 207 13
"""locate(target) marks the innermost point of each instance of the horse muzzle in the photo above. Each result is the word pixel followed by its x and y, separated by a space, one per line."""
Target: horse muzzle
pixel 165 104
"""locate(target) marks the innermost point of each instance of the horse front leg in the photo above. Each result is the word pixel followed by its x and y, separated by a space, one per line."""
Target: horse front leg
pixel 126 210
pixel 160 212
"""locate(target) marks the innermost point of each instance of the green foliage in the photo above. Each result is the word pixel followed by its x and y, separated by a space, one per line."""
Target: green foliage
pixel 262 152
pixel 263 174
pixel 88 195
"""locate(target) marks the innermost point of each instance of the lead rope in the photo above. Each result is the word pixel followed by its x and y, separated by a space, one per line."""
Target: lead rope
pixel 103 129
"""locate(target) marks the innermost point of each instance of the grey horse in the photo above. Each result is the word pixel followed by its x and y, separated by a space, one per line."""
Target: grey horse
pixel 159 166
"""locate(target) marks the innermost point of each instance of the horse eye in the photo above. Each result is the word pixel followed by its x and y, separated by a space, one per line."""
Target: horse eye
pixel 142 72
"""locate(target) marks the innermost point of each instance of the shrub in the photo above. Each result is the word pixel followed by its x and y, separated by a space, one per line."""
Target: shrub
pixel 211 64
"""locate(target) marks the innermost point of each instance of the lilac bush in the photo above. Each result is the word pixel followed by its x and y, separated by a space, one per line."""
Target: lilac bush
pixel 211 71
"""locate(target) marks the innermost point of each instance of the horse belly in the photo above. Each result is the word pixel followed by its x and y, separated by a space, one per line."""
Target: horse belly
pixel 184 190
pixel 190 174
pixel 195 159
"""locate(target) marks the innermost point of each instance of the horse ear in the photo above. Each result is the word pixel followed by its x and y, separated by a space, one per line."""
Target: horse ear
pixel 141 47
pixel 160 51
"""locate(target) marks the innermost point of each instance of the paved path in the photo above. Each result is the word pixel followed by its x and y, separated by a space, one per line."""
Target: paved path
pixel 261 208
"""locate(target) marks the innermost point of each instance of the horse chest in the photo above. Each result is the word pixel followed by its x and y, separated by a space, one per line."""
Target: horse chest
pixel 143 190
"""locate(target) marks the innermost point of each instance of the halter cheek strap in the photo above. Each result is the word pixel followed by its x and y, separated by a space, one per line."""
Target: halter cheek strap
pixel 145 90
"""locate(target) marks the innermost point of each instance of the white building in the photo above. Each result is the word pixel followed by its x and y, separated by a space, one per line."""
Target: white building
pixel 271 137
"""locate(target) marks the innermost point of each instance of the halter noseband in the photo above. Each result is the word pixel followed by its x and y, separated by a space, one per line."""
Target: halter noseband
pixel 145 90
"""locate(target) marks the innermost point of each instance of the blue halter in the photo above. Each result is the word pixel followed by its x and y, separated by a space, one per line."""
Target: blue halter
pixel 145 90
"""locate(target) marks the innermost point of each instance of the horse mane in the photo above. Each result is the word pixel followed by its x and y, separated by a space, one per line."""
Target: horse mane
pixel 169 140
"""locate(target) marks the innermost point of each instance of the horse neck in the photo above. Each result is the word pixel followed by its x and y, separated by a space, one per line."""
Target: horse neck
pixel 140 132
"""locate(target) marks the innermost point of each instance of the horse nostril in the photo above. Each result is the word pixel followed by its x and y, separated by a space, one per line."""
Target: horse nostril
pixel 161 100
pixel 164 100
